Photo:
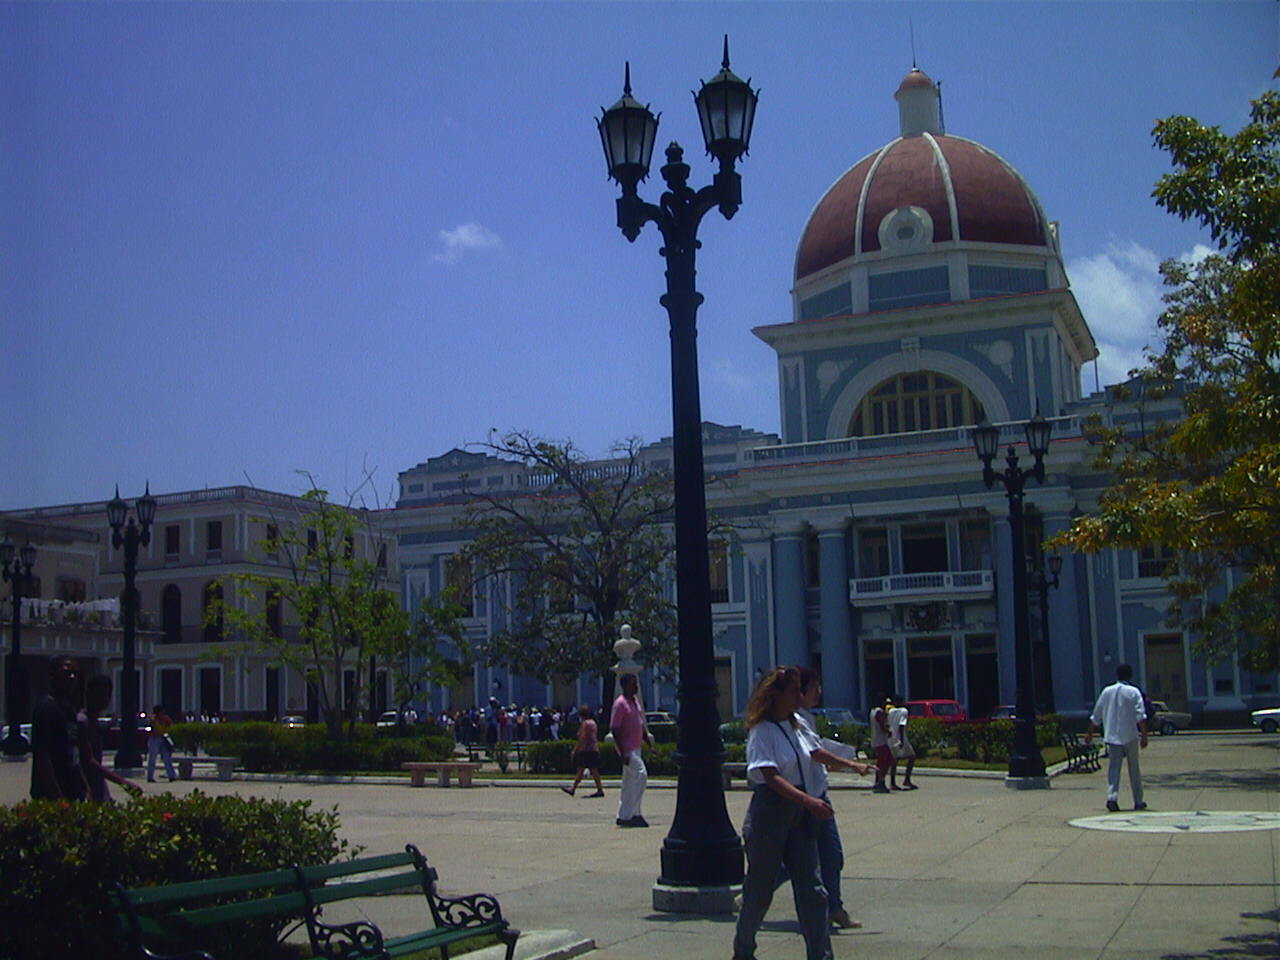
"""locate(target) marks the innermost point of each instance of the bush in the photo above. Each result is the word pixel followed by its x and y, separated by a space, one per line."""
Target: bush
pixel 556 756
pixel 58 859
pixel 271 748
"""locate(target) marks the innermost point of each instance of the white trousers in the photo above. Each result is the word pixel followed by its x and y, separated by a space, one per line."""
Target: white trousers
pixel 1122 754
pixel 634 778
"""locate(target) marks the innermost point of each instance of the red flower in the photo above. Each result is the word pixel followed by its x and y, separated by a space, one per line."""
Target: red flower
pixel 64 805
pixel 166 817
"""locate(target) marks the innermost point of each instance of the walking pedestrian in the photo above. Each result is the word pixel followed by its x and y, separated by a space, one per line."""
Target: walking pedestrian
pixel 880 744
pixel 97 694
pixel 830 849
pixel 56 773
pixel 900 745
pixel 626 721
pixel 783 817
pixel 159 745
pixel 1123 719
pixel 586 752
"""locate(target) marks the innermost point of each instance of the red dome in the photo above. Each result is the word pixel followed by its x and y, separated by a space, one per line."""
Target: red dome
pixel 992 203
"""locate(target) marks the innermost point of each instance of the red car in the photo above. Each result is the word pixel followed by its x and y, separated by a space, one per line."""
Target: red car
pixel 944 711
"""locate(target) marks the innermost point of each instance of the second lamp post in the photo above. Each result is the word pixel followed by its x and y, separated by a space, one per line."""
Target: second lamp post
pixel 17 566
pixel 702 854
pixel 1026 765
pixel 130 537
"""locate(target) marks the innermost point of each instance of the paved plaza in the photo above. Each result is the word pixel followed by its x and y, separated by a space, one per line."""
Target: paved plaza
pixel 962 868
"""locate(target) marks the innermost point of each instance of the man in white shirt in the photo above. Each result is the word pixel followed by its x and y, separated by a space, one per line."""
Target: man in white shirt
pixel 1119 711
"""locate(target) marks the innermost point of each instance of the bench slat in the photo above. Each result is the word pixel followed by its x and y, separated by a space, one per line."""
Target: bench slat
pixel 282 905
pixel 365 888
pixel 327 871
pixel 213 887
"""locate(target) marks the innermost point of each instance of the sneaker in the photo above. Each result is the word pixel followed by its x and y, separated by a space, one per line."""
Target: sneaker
pixel 567 790
pixel 1139 806
pixel 840 918
pixel 1113 806
pixel 879 788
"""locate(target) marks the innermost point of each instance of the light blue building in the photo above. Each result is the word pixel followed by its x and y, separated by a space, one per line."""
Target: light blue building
pixel 929 293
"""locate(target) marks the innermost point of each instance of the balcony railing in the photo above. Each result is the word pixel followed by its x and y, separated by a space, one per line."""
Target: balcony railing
pixel 943 585
pixel 948 438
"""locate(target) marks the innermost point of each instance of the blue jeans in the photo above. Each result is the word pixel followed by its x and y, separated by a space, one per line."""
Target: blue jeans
pixel 830 862
pixel 780 833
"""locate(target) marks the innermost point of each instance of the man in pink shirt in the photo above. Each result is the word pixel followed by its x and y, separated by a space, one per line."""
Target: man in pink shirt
pixel 629 735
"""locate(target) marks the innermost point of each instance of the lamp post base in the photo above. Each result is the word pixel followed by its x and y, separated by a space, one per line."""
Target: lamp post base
pixel 706 900
pixel 1026 783
pixel 14 746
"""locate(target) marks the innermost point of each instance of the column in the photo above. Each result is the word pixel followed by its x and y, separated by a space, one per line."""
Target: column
pixel 839 678
pixel 1006 656
pixel 790 635
pixel 1068 651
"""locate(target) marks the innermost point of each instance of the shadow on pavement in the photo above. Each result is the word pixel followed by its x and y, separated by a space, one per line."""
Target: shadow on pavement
pixel 1247 946
pixel 1233 779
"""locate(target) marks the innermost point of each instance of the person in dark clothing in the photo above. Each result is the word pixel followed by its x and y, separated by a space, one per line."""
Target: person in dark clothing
pixel 97 694
pixel 55 737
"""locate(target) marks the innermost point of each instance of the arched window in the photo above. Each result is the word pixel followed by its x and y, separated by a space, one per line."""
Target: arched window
pixel 909 402
pixel 212 629
pixel 171 613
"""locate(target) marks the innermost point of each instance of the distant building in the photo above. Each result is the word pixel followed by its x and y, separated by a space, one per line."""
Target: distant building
pixel 198 538
pixel 929 293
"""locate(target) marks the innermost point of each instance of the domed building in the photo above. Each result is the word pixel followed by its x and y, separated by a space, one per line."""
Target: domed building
pixel 929 294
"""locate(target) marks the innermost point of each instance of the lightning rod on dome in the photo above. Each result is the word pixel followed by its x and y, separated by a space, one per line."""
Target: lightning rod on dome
pixel 911 26
pixel 942 117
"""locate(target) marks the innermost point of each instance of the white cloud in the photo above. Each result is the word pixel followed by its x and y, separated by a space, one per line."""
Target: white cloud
pixel 462 239
pixel 726 374
pixel 1120 292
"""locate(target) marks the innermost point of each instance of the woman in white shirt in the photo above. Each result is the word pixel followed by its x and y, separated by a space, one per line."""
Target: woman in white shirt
pixel 782 821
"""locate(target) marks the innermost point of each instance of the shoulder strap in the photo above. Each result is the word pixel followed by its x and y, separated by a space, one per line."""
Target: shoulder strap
pixel 799 760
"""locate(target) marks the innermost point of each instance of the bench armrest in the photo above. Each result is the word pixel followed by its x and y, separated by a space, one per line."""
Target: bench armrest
pixel 358 940
pixel 474 910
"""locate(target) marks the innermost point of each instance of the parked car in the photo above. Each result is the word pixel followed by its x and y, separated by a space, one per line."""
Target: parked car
pixel 1267 720
pixel 1167 721
pixel 389 718
pixel 293 720
pixel 662 725
pixel 1005 712
pixel 944 711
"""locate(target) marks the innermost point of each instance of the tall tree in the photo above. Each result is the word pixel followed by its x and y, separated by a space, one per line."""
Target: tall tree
pixel 432 649
pixel 578 553
pixel 1206 485
pixel 341 611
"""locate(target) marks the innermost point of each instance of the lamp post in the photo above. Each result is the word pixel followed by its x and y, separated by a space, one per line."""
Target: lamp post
pixel 130 537
pixel 1040 582
pixel 1026 765
pixel 16 565
pixel 702 853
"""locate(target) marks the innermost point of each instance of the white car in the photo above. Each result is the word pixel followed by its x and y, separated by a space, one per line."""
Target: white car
pixel 1167 721
pixel 388 719
pixel 1267 720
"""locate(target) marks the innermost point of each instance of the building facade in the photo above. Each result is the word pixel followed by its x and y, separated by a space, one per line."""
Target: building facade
pixel 200 540
pixel 929 294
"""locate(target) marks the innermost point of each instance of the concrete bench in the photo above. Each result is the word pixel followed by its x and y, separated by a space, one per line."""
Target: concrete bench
pixel 186 765
pixel 730 770
pixel 443 769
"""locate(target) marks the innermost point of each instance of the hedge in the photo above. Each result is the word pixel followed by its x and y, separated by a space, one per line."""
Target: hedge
pixel 556 756
pixel 58 859
pixel 270 748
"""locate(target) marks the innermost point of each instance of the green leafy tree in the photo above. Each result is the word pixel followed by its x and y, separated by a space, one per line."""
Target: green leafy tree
pixel 432 649
pixel 583 550
pixel 335 596
pixel 1206 485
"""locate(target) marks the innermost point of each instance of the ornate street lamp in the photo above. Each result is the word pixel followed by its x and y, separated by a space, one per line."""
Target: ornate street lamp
pixel 16 565
pixel 130 537
pixel 1026 765
pixel 702 853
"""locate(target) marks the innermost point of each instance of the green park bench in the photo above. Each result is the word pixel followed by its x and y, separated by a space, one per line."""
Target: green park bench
pixel 1082 757
pixel 169 922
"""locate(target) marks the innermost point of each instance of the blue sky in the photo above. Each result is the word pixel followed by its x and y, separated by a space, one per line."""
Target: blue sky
pixel 241 240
